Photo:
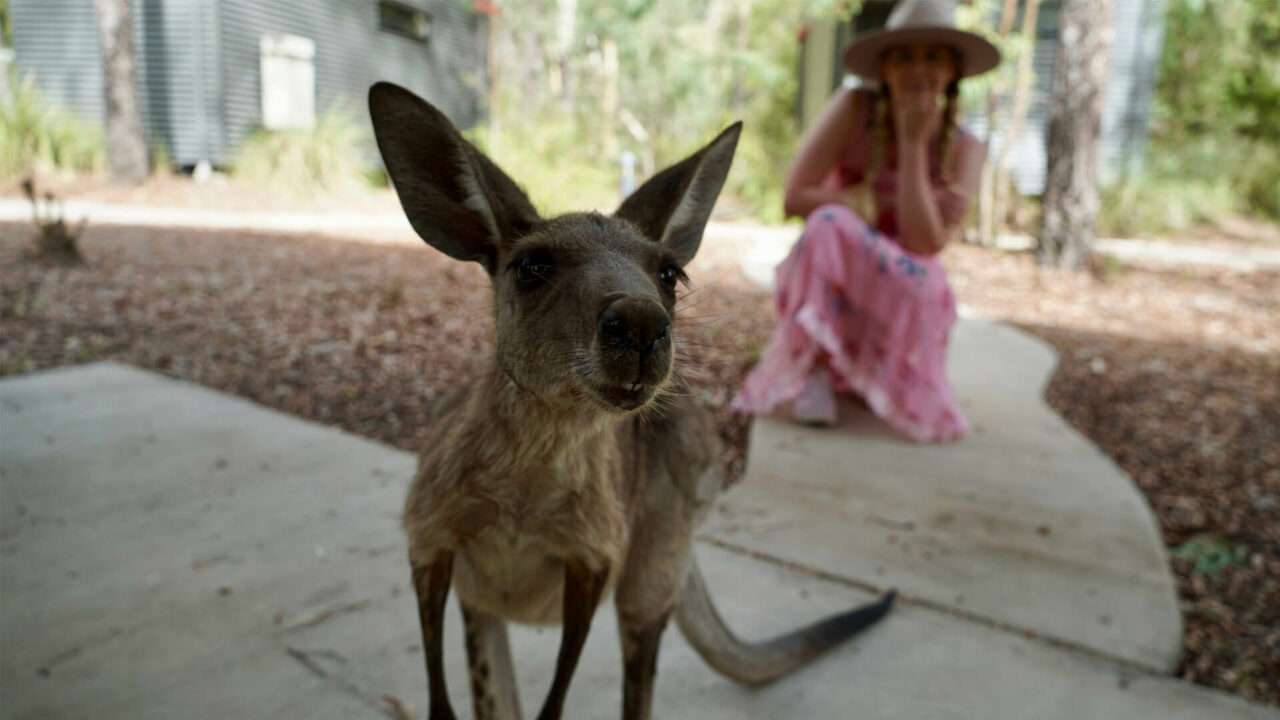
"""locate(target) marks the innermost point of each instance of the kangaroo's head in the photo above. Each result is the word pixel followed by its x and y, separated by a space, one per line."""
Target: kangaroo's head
pixel 585 302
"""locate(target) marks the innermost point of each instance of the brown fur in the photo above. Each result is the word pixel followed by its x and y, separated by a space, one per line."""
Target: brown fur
pixel 577 463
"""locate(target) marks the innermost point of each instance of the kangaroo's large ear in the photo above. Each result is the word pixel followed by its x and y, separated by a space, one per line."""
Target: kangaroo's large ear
pixel 457 199
pixel 674 205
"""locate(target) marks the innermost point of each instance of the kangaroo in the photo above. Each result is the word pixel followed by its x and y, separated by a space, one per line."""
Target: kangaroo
pixel 577 463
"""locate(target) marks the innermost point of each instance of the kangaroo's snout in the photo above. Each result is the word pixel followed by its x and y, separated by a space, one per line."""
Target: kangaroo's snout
pixel 633 333
pixel 633 323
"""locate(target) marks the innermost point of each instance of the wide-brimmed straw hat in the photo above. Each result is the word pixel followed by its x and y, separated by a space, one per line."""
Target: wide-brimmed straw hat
pixel 920 21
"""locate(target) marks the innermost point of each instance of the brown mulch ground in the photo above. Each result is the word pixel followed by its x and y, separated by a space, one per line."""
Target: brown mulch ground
pixel 1174 373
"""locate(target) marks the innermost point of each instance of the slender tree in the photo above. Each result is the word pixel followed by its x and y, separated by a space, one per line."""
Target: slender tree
pixel 1021 103
pixel 1075 120
pixel 127 155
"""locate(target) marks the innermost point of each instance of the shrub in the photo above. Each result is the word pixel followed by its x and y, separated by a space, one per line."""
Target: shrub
pixel 37 137
pixel 548 158
pixel 327 157
pixel 56 241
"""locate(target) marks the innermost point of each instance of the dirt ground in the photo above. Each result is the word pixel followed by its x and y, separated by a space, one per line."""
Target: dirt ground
pixel 1174 373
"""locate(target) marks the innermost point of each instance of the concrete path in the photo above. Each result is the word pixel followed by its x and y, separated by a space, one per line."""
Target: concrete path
pixel 767 244
pixel 167 551
pixel 1023 524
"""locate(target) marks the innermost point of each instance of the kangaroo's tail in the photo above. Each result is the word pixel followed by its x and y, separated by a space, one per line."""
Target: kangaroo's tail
pixel 762 662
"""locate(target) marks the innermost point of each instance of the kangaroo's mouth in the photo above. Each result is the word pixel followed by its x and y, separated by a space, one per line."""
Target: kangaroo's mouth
pixel 627 396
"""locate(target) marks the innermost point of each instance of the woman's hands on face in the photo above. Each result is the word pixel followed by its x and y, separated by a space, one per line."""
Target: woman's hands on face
pixel 917 115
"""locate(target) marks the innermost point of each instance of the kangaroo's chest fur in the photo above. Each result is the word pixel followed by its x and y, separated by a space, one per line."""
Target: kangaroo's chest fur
pixel 515 495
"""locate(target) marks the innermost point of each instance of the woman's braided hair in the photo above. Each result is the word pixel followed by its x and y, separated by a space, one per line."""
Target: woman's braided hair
pixel 881 126
pixel 862 197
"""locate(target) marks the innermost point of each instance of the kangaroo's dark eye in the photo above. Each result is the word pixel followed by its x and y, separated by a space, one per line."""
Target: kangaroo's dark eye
pixel 668 276
pixel 533 269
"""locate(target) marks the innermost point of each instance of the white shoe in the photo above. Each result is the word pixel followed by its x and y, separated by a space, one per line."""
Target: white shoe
pixel 816 404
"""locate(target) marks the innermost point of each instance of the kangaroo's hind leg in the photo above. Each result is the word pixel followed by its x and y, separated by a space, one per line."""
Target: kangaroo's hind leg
pixel 649 587
pixel 494 694
pixel 640 664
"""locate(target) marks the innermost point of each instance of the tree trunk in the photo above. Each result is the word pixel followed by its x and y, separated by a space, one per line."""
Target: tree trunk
pixel 737 96
pixel 127 155
pixel 566 32
pixel 986 193
pixel 609 101
pixel 1021 103
pixel 493 63
pixel 1007 13
pixel 1075 121
pixel 986 186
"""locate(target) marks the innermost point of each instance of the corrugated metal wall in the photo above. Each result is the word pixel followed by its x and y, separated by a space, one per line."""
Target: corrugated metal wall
pixel 198 65
pixel 57 42
pixel 176 74
pixel 351 54
pixel 1027 160
pixel 1135 57
pixel 1135 61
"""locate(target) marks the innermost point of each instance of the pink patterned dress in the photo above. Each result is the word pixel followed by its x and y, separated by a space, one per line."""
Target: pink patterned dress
pixel 849 297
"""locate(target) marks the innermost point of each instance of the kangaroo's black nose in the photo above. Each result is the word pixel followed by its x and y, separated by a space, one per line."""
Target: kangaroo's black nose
pixel 635 324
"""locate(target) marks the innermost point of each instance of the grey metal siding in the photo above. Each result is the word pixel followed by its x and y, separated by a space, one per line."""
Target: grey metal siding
pixel 1135 59
pixel 198 65
pixel 56 41
pixel 351 54
pixel 1027 158
pixel 1135 55
pixel 178 69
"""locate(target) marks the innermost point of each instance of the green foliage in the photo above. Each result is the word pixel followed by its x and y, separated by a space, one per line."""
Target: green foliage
pixel 1216 121
pixel 1205 179
pixel 1210 554
pixel 558 171
pixel 56 241
pixel 16 365
pixel 36 136
pixel 6 33
pixel 161 158
pixel 327 157
pixel 771 133
pixel 684 71
pixel 1106 266
pixel 977 17
pixel 1161 205
pixel 1220 69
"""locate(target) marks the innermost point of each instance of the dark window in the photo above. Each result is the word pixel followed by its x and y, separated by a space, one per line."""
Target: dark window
pixel 405 20
pixel 872 17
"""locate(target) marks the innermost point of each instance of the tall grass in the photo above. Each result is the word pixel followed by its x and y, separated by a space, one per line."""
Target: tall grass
pixel 557 167
pixel 1148 205
pixel 1201 180
pixel 36 136
pixel 328 157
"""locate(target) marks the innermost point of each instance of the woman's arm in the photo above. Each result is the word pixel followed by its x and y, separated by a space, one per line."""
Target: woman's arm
pixel 928 217
pixel 820 150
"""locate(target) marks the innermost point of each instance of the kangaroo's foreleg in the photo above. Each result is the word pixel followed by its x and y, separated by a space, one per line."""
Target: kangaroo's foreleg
pixel 582 590
pixel 494 694
pixel 431 582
